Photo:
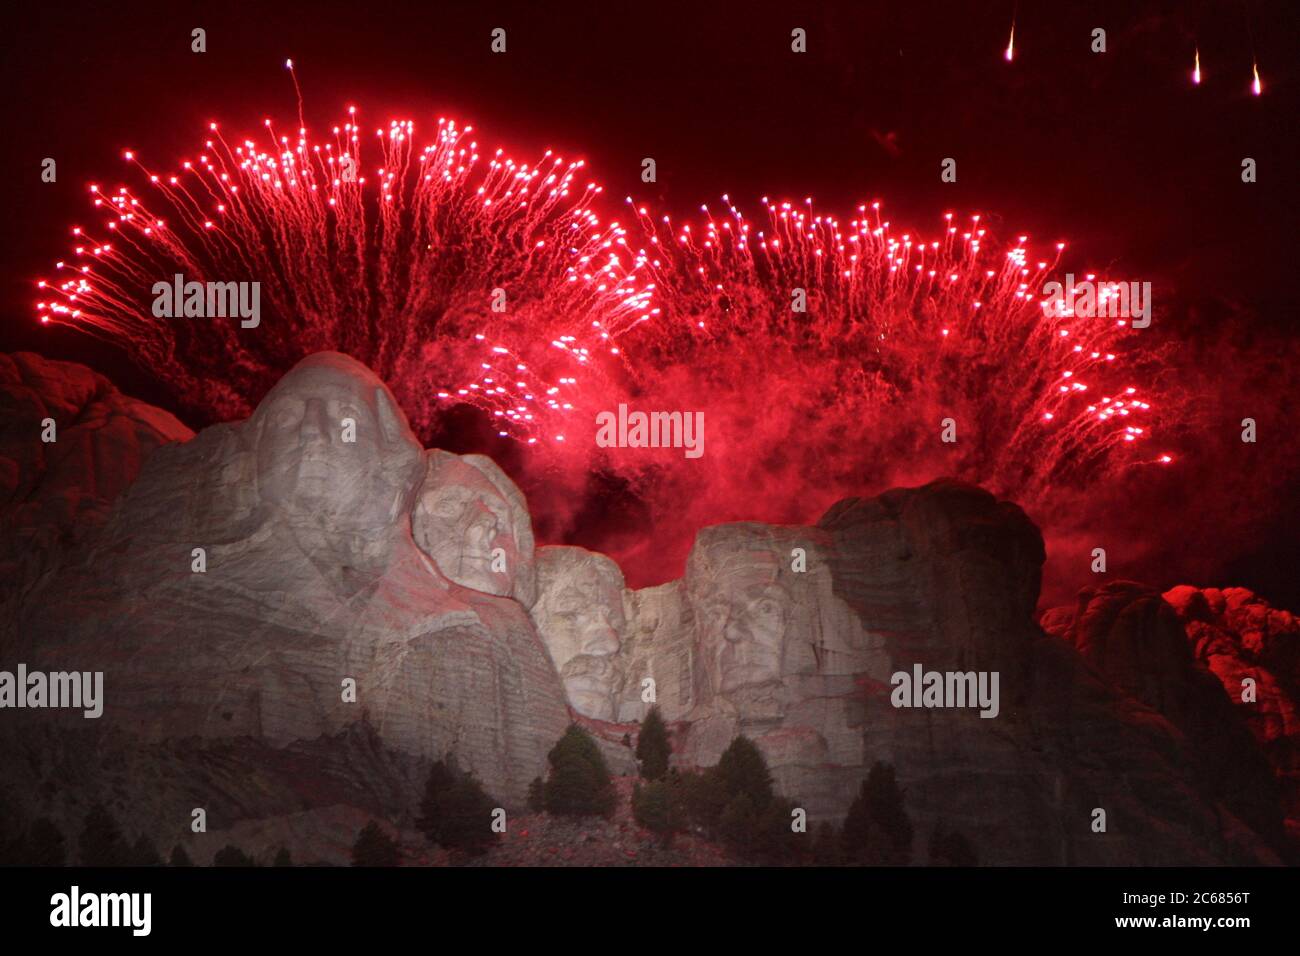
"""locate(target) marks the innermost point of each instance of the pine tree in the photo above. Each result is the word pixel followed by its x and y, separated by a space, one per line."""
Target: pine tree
pixel 374 847
pixel 738 824
pixel 469 818
pixel 950 848
pixel 826 846
pixel 44 844
pixel 659 807
pixel 877 831
pixel 705 797
pixel 282 858
pixel 101 842
pixel 144 853
pixel 437 787
pixel 231 855
pixel 180 857
pixel 456 812
pixel 652 746
pixel 579 783
pixel 742 770
pixel 536 799
pixel 775 841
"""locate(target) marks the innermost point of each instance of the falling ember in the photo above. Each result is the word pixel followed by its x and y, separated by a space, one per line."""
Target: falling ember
pixel 1256 87
pixel 368 258
pixel 1011 43
pixel 904 331
pixel 1196 70
pixel 398 264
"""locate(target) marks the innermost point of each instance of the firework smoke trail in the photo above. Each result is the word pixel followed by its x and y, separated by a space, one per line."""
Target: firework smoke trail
pixel 899 333
pixel 399 267
pixel 396 266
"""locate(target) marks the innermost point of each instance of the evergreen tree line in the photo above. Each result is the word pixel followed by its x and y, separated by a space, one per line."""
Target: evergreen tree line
pixel 733 803
pixel 101 842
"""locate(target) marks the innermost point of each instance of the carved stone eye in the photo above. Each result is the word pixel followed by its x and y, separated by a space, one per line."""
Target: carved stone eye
pixel 286 415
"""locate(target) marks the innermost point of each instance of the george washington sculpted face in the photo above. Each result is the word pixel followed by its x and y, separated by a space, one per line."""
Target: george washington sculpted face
pixel 333 452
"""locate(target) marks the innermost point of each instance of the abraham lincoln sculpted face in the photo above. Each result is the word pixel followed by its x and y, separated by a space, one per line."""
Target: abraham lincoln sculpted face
pixel 579 614
pixel 743 612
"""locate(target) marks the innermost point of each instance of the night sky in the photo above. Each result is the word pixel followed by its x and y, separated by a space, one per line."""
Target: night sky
pixel 1116 153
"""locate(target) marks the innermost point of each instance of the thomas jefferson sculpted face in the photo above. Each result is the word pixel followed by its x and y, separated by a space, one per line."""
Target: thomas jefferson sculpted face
pixel 465 511
pixel 306 470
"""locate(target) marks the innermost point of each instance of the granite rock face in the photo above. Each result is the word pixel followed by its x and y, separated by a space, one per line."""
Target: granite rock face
pixel 659 646
pixel 54 492
pixel 1254 651
pixel 579 613
pixel 780 658
pixel 295 614
pixel 946 577
pixel 308 609
pixel 473 521
pixel 1131 636
pixel 793 636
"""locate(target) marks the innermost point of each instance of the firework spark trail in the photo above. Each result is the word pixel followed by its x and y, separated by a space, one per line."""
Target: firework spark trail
pixel 396 268
pixel 898 333
pixel 397 265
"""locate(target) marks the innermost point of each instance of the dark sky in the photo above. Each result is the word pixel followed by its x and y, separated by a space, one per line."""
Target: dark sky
pixel 1116 153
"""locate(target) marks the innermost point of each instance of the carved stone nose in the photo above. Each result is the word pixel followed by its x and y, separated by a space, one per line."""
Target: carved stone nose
pixel 315 424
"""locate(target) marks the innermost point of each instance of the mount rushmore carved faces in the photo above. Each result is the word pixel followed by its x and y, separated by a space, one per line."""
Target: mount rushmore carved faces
pixel 321 654
pixel 579 613
pixel 335 460
pixel 779 652
pixel 752 626
pixel 314 612
pixel 472 520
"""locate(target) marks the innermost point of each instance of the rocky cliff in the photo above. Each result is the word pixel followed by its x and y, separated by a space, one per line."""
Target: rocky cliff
pixel 296 613
pixel 258 594
pixel 70 444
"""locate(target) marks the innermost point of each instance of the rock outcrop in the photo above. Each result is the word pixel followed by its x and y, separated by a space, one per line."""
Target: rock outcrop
pixel 295 614
pixel 780 658
pixel 1254 651
pixel 261 582
pixel 579 613
pixel 946 577
pixel 473 521
pixel 793 636
pixel 70 444
pixel 1134 639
